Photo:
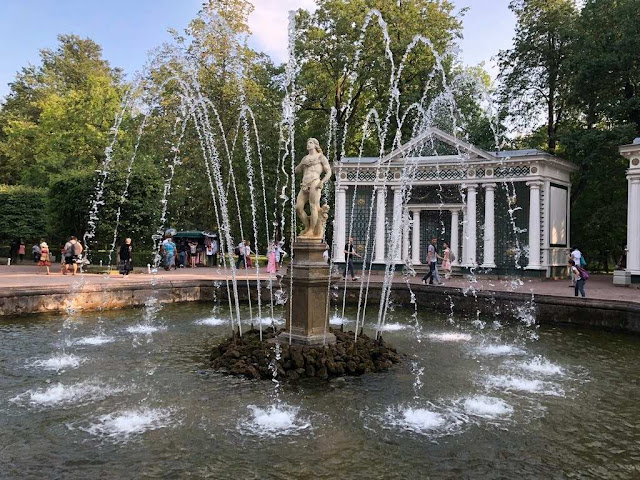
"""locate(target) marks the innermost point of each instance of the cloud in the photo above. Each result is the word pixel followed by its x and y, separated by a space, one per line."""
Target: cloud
pixel 269 24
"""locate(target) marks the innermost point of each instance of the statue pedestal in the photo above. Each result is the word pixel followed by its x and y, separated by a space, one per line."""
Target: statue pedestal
pixel 307 306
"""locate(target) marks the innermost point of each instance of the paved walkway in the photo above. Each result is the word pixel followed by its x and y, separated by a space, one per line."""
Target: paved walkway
pixel 598 286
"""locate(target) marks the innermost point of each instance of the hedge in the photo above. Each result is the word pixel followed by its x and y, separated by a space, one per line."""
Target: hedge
pixel 23 213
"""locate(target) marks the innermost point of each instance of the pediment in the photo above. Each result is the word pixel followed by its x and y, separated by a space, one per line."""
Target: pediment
pixel 431 133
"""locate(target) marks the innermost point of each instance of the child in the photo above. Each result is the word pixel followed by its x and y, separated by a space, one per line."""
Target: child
pixel 45 260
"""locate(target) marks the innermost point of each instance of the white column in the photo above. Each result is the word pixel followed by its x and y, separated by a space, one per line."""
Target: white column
pixel 453 246
pixel 534 225
pixel 380 224
pixel 633 226
pixel 632 152
pixel 405 235
pixel 415 242
pixel 489 226
pixel 340 224
pixel 470 246
pixel 396 229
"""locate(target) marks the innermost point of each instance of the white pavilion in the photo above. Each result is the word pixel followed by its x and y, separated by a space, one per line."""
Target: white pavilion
pixel 499 211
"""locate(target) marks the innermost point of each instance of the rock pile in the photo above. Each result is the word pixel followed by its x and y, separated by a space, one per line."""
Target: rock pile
pixel 247 356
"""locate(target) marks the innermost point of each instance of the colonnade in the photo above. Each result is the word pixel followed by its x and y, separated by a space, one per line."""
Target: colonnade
pixel 407 219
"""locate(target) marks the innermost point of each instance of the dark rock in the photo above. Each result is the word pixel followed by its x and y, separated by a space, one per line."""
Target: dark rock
pixel 249 357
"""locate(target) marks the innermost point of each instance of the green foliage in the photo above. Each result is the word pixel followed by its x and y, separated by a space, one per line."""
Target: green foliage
pixel 582 65
pixel 23 213
pixel 332 78
pixel 70 199
pixel 535 73
pixel 599 192
pixel 57 116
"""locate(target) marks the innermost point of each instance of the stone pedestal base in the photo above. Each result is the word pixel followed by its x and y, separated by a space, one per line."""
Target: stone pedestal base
pixel 622 278
pixel 306 315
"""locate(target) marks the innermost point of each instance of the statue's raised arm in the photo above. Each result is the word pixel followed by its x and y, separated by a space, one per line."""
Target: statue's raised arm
pixel 313 166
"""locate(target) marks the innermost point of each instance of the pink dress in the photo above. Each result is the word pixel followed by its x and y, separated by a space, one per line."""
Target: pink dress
pixel 271 266
pixel 446 263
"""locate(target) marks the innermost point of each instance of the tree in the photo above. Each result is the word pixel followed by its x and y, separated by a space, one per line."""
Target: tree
pixel 535 74
pixel 232 77
pixel 57 116
pixel 334 77
pixel 606 82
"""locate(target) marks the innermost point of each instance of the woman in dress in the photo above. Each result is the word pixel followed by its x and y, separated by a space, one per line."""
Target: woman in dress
pixel 272 264
pixel 446 261
pixel 22 250
pixel 45 258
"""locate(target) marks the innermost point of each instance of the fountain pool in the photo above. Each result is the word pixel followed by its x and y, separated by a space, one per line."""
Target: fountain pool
pixel 120 395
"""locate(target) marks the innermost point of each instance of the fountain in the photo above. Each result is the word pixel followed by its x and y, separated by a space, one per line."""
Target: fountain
pixel 307 315
pixel 466 377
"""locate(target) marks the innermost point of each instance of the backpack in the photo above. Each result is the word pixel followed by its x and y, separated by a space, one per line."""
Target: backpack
pixel 237 251
pixel 583 262
pixel 583 273
pixel 452 256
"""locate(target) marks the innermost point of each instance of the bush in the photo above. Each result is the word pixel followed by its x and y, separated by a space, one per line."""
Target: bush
pixel 23 213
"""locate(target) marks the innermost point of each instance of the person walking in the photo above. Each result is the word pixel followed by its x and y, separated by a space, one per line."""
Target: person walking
pixel 241 256
pixel 35 252
pixel 576 256
pixel 581 276
pixel 446 260
pixel 280 253
pixel 22 250
pixel 125 257
pixel 271 264
pixel 432 261
pixel 169 253
pixel 77 254
pixel 350 252
pixel 247 254
pixel 13 251
pixel 44 259
pixel 68 256
pixel 193 251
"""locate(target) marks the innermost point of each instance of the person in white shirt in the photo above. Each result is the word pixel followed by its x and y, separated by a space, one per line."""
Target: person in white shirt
pixel 240 251
pixel 576 256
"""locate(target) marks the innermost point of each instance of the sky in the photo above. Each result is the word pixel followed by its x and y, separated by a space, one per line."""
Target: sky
pixel 128 30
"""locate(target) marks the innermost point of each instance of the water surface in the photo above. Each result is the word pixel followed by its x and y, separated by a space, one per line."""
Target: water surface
pixel 127 394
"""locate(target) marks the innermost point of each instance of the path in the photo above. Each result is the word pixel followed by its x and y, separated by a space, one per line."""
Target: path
pixel 598 286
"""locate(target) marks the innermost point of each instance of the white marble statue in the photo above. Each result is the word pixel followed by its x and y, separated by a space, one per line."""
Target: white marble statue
pixel 312 166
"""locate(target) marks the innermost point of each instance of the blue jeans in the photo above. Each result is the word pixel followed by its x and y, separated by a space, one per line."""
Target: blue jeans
pixel 580 288
pixel 433 274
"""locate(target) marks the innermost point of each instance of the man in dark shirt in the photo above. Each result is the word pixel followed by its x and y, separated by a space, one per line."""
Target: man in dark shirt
pixel 350 252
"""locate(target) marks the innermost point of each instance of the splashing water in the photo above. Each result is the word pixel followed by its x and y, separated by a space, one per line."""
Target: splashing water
pixel 121 426
pixel 511 383
pixel 145 329
pixel 93 340
pixel 541 365
pixel 487 407
pixel 273 421
pixel 394 327
pixel 416 420
pixel 60 362
pixel 63 395
pixel 211 322
pixel 495 350
pixel 450 337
